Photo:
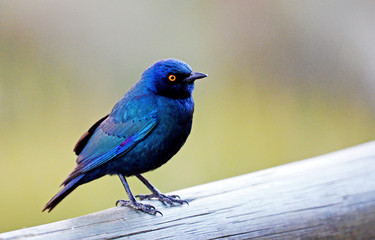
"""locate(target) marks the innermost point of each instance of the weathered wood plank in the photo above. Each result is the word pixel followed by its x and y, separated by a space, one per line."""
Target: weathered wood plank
pixel 327 197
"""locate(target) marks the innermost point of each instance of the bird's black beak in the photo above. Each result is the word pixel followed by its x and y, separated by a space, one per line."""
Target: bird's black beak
pixel 194 76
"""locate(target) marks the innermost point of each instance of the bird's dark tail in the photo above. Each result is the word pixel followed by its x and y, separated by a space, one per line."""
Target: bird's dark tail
pixel 68 188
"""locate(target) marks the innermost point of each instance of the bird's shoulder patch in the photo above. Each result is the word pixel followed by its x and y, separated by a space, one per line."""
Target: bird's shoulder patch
pixel 124 128
pixel 133 107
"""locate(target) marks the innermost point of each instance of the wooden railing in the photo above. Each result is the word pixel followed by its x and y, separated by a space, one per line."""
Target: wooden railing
pixel 326 197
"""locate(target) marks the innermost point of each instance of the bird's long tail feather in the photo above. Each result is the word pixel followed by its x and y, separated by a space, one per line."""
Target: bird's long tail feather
pixel 68 188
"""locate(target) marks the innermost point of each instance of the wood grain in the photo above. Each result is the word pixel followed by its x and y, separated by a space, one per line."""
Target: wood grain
pixel 326 197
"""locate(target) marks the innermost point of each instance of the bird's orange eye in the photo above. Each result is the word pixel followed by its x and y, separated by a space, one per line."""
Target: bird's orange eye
pixel 172 78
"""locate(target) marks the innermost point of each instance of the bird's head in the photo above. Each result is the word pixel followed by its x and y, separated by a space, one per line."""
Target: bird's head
pixel 171 78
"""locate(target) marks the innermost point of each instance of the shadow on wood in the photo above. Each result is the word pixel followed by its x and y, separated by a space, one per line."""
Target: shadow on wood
pixel 327 197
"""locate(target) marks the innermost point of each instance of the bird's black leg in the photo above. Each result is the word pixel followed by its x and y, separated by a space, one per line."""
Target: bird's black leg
pixel 171 199
pixel 132 202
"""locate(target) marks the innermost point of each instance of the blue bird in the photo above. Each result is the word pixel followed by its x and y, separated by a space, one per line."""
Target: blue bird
pixel 143 131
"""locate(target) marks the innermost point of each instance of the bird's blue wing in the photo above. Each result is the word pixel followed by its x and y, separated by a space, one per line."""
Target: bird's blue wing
pixel 111 138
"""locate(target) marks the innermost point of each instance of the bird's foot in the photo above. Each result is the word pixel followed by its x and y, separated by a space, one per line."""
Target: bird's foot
pixel 147 208
pixel 165 199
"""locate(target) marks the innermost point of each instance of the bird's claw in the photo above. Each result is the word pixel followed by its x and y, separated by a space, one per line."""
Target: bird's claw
pixel 147 208
pixel 165 199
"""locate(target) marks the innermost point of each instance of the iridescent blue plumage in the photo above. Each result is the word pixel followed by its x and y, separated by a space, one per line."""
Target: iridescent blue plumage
pixel 142 132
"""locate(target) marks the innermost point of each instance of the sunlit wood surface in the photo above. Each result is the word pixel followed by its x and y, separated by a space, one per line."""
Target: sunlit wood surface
pixel 327 197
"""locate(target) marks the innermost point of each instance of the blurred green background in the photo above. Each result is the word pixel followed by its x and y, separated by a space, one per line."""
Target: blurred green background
pixel 288 80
